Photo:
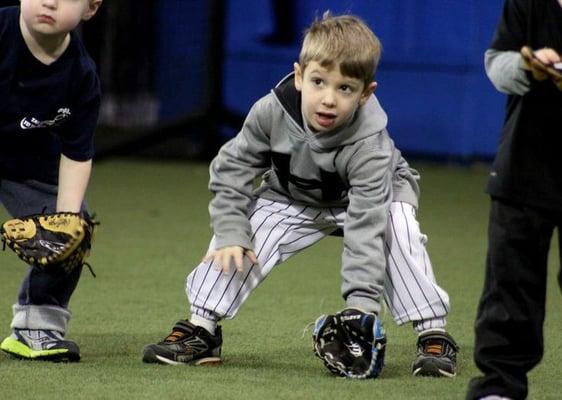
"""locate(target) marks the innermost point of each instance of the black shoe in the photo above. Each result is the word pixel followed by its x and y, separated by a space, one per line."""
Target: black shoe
pixel 436 355
pixel 187 344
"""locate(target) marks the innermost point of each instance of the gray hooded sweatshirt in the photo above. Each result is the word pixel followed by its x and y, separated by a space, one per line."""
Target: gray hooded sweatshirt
pixel 355 167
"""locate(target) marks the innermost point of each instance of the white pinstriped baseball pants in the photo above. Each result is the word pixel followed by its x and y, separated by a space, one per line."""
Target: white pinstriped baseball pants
pixel 281 230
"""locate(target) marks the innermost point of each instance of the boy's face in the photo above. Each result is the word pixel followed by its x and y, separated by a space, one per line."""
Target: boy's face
pixel 52 17
pixel 329 99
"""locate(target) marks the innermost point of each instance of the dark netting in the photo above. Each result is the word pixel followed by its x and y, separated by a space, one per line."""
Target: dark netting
pixel 159 64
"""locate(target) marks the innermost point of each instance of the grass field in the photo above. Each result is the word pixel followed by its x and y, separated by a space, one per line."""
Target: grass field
pixel 154 231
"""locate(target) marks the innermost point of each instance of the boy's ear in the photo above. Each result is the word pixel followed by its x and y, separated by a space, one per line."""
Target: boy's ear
pixel 93 6
pixel 369 90
pixel 298 76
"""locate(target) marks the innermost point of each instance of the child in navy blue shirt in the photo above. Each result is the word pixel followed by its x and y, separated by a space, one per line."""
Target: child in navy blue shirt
pixel 49 105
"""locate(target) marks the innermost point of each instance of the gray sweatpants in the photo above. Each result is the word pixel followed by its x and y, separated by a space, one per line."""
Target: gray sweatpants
pixel 43 298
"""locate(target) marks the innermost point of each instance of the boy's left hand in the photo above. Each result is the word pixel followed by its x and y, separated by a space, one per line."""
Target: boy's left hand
pixel 225 256
pixel 543 64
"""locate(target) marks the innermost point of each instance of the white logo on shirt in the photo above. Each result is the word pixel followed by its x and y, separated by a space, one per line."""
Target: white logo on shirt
pixel 33 123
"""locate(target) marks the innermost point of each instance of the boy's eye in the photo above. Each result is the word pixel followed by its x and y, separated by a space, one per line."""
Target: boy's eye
pixel 317 81
pixel 346 88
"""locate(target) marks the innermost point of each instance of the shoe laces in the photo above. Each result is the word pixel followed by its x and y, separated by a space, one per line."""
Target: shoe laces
pixel 433 347
pixel 174 336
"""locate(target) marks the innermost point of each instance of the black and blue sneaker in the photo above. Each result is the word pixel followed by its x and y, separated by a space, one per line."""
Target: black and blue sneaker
pixel 187 344
pixel 436 355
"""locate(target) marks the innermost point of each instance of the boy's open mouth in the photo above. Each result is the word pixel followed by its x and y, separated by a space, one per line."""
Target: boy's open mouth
pixel 325 119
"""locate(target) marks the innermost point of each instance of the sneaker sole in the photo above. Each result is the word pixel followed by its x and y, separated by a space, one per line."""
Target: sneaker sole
pixel 209 361
pixel 19 350
pixel 431 369
pixel 150 357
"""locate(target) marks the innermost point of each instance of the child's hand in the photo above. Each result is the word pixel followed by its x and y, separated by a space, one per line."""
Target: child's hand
pixel 543 64
pixel 223 257
pixel 547 56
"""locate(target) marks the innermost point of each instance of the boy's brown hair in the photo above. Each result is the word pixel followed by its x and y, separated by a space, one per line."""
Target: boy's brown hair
pixel 343 39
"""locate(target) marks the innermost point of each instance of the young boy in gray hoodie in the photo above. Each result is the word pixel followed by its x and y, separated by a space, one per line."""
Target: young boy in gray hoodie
pixel 327 164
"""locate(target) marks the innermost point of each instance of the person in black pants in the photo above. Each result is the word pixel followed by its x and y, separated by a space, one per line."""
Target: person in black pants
pixel 525 186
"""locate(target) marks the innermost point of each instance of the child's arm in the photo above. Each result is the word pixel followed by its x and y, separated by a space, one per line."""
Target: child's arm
pixel 505 66
pixel 232 175
pixel 73 181
pixel 506 71
pixel 370 194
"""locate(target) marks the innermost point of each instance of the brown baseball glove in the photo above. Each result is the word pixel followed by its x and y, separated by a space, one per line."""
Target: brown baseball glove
pixel 58 241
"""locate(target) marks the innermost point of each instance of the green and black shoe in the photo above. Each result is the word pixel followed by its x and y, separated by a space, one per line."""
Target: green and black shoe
pixel 35 344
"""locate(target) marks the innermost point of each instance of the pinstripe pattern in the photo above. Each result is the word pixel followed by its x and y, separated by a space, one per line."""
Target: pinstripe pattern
pixel 281 230
pixel 410 288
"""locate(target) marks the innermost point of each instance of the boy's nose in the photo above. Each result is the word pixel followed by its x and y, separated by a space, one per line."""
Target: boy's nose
pixel 328 100
pixel 49 3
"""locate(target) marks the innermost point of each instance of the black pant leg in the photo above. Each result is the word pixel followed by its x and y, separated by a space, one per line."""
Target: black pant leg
pixel 560 253
pixel 509 323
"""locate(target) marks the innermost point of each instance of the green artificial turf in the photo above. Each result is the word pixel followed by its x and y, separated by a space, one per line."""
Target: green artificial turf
pixel 155 229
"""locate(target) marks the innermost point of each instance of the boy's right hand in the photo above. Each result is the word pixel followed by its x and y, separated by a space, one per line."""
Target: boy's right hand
pixel 225 256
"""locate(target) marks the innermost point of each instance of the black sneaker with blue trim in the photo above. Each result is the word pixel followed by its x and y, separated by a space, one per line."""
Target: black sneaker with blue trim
pixel 187 344
pixel 436 355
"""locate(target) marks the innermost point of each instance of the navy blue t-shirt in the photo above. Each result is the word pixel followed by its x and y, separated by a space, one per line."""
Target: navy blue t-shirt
pixel 45 110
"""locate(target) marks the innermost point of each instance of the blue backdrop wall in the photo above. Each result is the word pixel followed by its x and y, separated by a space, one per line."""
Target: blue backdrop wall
pixel 431 78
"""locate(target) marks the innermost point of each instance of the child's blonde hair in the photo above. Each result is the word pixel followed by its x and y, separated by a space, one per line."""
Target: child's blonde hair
pixel 343 39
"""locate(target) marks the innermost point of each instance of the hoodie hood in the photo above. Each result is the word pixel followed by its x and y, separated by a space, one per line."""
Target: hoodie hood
pixel 367 120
